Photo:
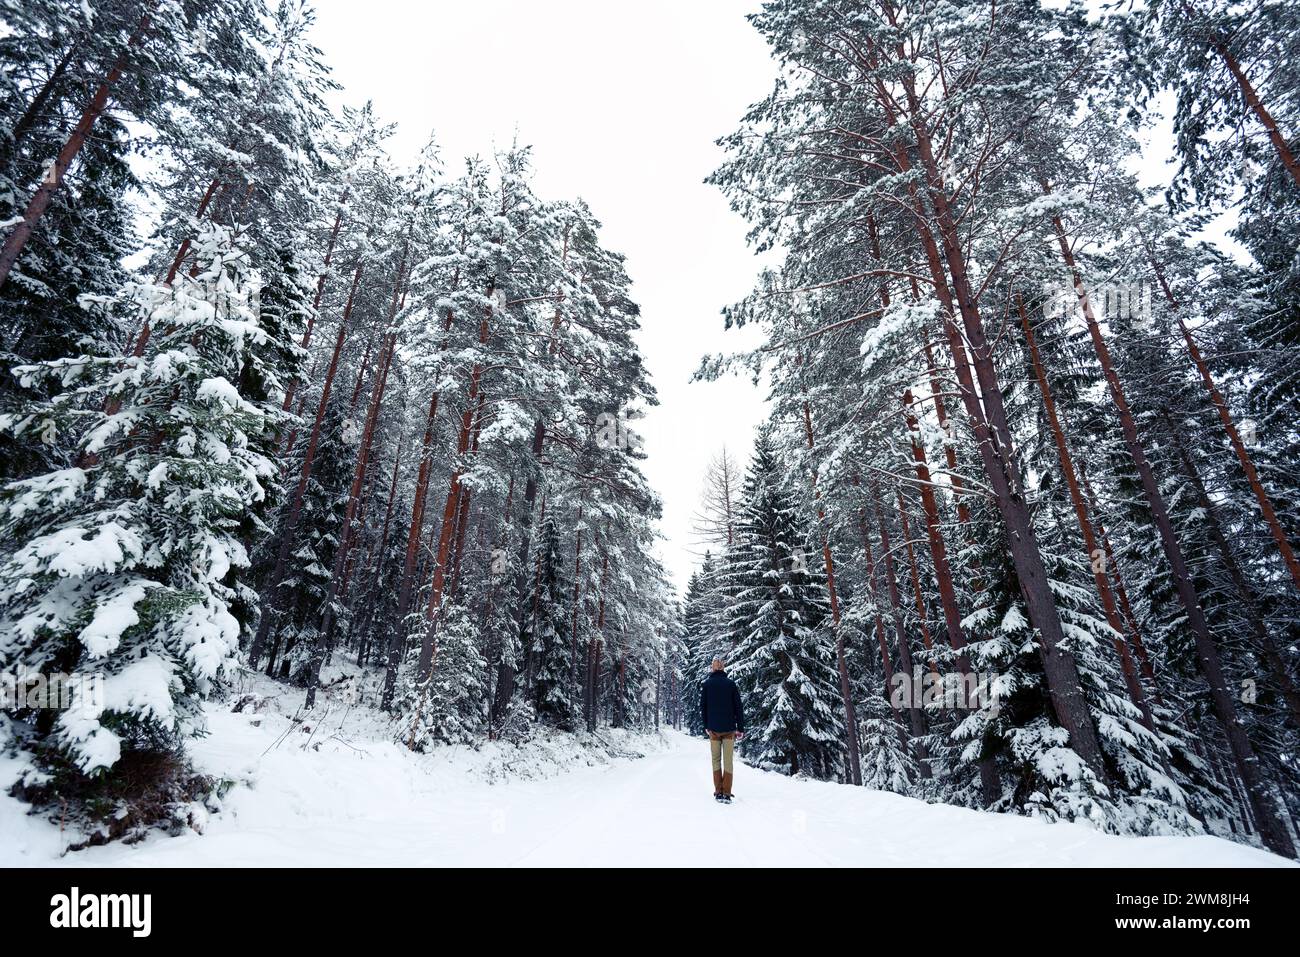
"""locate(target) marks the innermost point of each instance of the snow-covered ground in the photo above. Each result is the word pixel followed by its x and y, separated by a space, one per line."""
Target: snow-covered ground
pixel 339 791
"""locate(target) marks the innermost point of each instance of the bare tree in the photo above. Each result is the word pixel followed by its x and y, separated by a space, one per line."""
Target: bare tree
pixel 714 523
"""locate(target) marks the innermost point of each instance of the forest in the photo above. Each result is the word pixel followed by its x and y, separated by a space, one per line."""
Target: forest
pixel 325 408
pixel 1016 533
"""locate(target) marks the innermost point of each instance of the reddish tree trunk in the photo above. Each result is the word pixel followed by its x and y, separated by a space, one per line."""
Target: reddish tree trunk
pixel 938 549
pixel 949 453
pixel 921 614
pixel 841 662
pixel 593 647
pixel 915 714
pixel 886 664
pixel 42 97
pixel 363 367
pixel 40 201
pixel 1234 437
pixel 989 421
pixel 1092 554
pixel 425 665
pixel 1263 641
pixel 458 539
pixel 324 637
pixel 410 563
pixel 183 250
pixel 622 686
pixel 1261 112
pixel 950 456
pixel 873 583
pixel 1247 466
pixel 1271 827
pixel 271 594
pixel 577 598
pixel 462 515
pixel 1121 590
pixel 989 779
pixel 320 289
pixel 325 264
pixel 506 671
pixel 375 558
pixel 362 524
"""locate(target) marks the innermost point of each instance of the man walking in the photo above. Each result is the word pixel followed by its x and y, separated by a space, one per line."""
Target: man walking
pixel 724 722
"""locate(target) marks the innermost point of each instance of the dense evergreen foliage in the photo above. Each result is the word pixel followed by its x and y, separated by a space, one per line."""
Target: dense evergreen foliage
pixel 314 416
pixel 1018 533
pixel 1035 420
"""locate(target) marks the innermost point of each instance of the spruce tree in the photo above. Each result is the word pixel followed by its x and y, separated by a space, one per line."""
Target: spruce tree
pixel 306 587
pixel 127 562
pixel 546 634
pixel 783 657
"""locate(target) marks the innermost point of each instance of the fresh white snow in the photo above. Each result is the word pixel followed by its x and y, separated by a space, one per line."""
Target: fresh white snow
pixel 340 791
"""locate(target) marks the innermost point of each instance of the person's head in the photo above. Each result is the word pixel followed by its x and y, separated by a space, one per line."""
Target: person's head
pixel 718 664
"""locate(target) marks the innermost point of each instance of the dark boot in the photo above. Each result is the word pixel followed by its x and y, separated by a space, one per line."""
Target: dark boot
pixel 717 783
pixel 726 785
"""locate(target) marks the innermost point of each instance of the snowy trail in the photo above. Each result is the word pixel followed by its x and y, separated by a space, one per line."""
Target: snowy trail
pixel 659 810
pixel 370 802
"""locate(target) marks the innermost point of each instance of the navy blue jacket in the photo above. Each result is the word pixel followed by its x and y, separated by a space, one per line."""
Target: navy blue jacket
pixel 720 707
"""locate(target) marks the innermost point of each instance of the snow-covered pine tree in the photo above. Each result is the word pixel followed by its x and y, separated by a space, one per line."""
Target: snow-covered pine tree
pixel 887 763
pixel 126 564
pixel 246 152
pixel 783 656
pixel 546 634
pixel 850 143
pixel 1147 375
pixel 1231 68
pixel 48 59
pixel 450 708
pixel 701 640
pixel 306 585
pixel 439 317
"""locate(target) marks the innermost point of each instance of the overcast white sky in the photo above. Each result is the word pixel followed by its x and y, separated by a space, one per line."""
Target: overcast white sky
pixel 622 102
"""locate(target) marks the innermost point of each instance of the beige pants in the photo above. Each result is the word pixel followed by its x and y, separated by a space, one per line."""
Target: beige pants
pixel 721 747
